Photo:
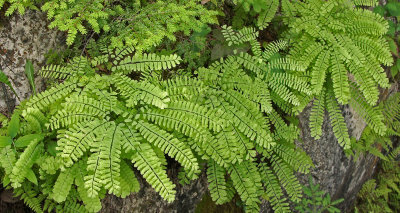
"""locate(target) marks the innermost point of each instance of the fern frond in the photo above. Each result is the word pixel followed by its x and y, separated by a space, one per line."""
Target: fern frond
pixel 217 183
pixel 74 142
pixel 29 196
pixel 287 179
pixel 78 109
pixel 48 97
pixel 25 162
pixel 7 159
pixel 140 63
pixel 128 181
pixel 147 162
pixel 318 74
pixel 340 80
pixel 63 185
pixel 338 124
pixel 92 204
pixel 135 91
pixel 317 116
pixel 273 48
pixel 243 35
pixel 247 182
pixel 372 115
pixel 368 3
pixel 208 118
pixel 170 145
pixel 273 191
pixel 266 15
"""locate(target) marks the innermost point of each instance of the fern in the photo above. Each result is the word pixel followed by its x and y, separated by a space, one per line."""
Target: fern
pixel 341 28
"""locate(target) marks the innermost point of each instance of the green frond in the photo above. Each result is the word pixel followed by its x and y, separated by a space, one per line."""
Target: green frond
pixel 217 183
pixel 247 182
pixel 282 131
pixel 78 109
pixel 130 138
pixel 243 35
pixel 147 162
pixel 340 80
pixel 368 3
pixel 135 91
pixel 319 71
pixel 283 92
pixel 294 157
pixel 50 96
pixel 286 177
pixel 338 124
pixel 255 48
pixel 256 131
pixel 292 81
pixel 376 47
pixel 273 191
pixel 56 72
pixel 128 181
pixel 29 196
pixel 75 141
pixel 183 88
pixel 142 62
pixel 110 151
pixel 266 15
pixel 273 48
pixel 372 115
pixel 285 64
pixel 252 63
pixel 63 185
pixel 92 204
pixel 7 159
pixel 169 145
pixel 245 146
pixel 210 119
pixel 317 116
pixel 25 162
pixel 177 121
pixel 367 85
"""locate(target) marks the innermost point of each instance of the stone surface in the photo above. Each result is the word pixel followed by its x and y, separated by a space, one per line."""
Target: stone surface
pixel 21 38
pixel 148 200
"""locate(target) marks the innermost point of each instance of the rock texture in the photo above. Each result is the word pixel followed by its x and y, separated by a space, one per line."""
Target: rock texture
pixel 21 38
pixel 148 200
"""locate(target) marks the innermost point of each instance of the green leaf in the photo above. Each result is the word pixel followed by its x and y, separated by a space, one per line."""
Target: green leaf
pixel 30 75
pixel 393 8
pixel 4 79
pixel 26 139
pixel 13 126
pixel 5 141
pixel 30 175
pixel 393 47
pixel 380 10
pixel 51 148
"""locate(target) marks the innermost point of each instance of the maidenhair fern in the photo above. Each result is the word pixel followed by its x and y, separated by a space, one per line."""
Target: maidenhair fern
pixel 343 48
pixel 99 125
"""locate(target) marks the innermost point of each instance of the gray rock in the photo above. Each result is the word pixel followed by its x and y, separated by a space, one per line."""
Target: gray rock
pixel 21 38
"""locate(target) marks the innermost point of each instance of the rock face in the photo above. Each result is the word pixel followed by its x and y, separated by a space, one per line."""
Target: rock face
pixel 21 38
pixel 148 200
pixel 337 174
